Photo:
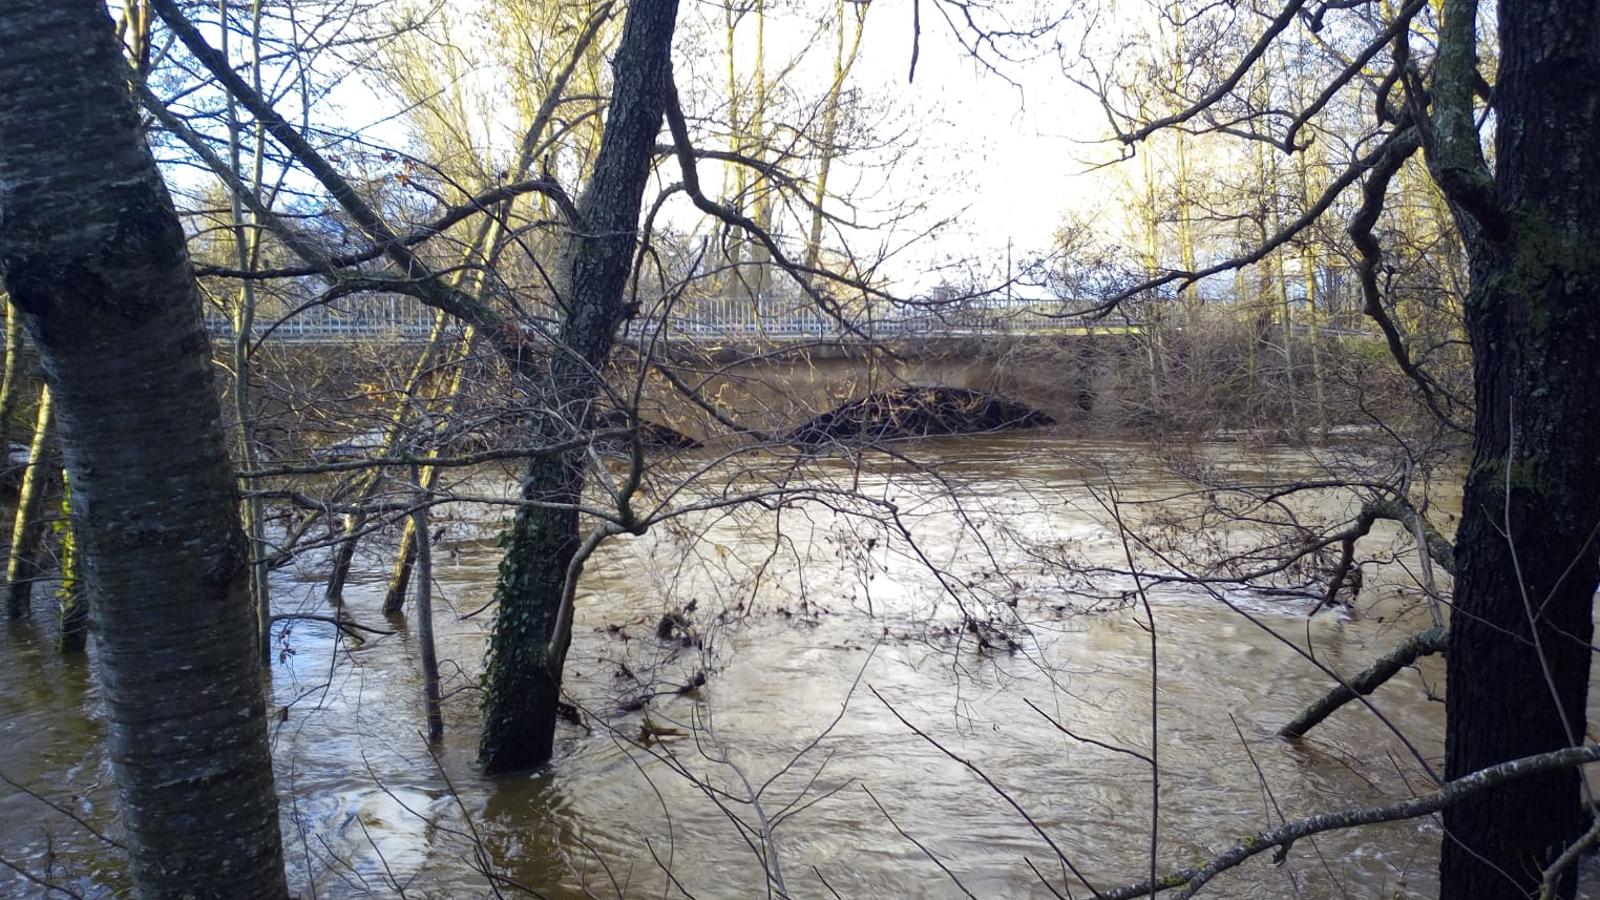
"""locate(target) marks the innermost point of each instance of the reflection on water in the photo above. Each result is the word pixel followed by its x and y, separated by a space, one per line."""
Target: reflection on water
pixel 795 616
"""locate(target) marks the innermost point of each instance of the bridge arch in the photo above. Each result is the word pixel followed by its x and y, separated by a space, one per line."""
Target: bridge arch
pixel 916 411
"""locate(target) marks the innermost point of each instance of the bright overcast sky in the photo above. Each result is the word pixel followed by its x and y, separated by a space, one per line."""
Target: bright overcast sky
pixel 1009 160
pixel 1012 155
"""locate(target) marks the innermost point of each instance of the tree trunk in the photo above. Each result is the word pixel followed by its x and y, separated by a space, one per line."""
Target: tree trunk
pixel 528 646
pixel 737 174
pixel 842 64
pixel 72 606
pixel 94 257
pixel 405 559
pixel 425 646
pixel 8 380
pixel 1525 550
pixel 24 567
pixel 246 248
pixel 1308 273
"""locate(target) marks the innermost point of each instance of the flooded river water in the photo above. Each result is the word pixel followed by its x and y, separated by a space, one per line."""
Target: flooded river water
pixel 826 642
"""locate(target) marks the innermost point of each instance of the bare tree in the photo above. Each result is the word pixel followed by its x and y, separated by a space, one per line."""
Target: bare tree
pixel 1526 561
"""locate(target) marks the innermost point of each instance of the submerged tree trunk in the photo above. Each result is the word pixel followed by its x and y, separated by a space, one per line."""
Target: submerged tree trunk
pixel 425 648
pixel 394 433
pixel 406 553
pixel 528 647
pixel 94 257
pixel 1525 550
pixel 72 606
pixel 24 567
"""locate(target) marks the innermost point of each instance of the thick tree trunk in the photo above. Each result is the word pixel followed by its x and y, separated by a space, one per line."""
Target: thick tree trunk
pixel 94 257
pixel 528 646
pixel 1525 550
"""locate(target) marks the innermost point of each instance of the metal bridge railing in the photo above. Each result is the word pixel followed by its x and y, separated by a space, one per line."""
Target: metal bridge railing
pixel 392 320
pixel 401 320
pixel 741 320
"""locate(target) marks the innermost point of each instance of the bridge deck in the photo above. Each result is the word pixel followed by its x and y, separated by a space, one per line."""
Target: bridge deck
pixel 718 322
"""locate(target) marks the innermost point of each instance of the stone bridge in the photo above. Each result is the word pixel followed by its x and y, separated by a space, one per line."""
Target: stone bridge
pixel 774 369
pixel 1065 376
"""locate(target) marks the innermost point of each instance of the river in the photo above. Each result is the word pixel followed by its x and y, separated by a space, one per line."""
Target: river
pixel 824 639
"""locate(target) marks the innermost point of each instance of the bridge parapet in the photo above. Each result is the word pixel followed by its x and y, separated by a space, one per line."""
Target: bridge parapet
pixel 724 320
pixel 390 320
pixel 401 320
pixel 721 322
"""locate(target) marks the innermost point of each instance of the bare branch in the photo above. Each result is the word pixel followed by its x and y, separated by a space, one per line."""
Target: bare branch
pixel 1190 880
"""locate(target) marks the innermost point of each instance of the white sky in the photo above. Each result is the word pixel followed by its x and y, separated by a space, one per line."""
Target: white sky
pixel 1020 150
pixel 1009 160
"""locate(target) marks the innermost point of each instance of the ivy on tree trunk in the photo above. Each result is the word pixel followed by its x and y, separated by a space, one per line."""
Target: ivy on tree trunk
pixel 1526 554
pixel 528 646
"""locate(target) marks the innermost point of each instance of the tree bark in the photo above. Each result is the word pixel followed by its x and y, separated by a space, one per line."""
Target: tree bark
pixel 72 606
pixel 528 646
pixel 24 567
pixel 8 378
pixel 1525 549
pixel 94 258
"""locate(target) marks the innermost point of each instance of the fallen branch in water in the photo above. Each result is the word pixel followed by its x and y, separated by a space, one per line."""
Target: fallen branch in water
pixel 343 624
pixel 1434 640
pixel 1192 879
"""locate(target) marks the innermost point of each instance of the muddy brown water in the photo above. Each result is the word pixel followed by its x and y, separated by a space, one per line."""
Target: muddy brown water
pixel 801 616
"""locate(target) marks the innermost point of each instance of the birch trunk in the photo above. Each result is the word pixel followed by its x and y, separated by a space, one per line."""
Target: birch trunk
pixel 24 567
pixel 94 258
